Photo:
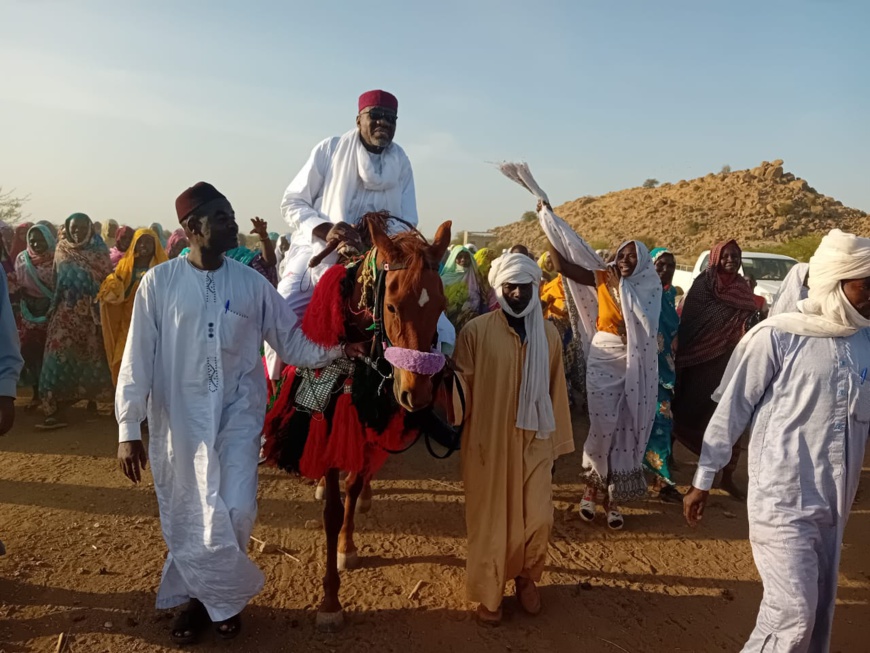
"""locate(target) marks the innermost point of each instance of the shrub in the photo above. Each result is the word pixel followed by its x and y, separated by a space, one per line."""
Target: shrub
pixel 800 248
pixel 651 183
pixel 529 216
pixel 725 169
pixel 784 208
pixel 694 227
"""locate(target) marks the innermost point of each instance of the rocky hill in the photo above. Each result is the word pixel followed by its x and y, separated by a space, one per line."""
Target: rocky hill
pixel 758 207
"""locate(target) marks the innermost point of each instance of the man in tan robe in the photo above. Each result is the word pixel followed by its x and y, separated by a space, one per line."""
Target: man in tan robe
pixel 517 424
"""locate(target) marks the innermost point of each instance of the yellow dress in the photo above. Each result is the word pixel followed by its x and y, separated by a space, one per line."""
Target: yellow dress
pixel 610 318
pixel 116 297
pixel 507 471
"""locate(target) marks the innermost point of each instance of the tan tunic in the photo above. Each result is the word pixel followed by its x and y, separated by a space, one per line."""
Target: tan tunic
pixel 507 471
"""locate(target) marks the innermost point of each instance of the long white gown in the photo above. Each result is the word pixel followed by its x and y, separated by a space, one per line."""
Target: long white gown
pixel 192 363
pixel 808 399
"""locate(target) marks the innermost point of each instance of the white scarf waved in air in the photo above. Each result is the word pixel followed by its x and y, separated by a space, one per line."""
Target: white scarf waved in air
pixel 825 313
pixel 535 411
pixel 352 165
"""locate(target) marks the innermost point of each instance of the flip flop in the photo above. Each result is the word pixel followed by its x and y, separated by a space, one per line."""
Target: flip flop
pixel 192 620
pixel 50 424
pixel 228 628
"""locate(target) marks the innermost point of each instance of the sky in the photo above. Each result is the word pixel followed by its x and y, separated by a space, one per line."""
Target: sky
pixel 115 107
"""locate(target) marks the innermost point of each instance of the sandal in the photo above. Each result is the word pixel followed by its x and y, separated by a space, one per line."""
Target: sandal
pixel 189 624
pixel 228 628
pixel 50 424
pixel 528 595
pixel 615 520
pixel 588 504
pixel 487 618
pixel 670 494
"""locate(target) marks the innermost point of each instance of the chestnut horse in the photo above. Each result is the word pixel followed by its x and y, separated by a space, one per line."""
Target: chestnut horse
pixel 395 302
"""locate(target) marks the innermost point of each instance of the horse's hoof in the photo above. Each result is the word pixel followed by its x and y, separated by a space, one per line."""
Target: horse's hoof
pixel 363 506
pixel 348 560
pixel 319 491
pixel 330 622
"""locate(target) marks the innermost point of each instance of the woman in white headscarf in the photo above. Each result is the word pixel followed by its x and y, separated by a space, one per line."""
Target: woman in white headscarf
pixel 800 380
pixel 618 307
pixel 621 377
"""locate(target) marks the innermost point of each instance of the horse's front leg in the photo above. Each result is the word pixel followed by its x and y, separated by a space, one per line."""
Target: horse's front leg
pixel 365 497
pixel 329 616
pixel 347 554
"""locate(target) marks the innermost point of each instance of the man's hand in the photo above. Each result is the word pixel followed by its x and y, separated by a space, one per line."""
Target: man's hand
pixel 132 459
pixel 693 505
pixel 356 349
pixel 261 228
pixel 7 414
pixel 343 233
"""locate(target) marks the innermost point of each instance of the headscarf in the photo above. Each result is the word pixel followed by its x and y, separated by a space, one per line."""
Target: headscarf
pixel 826 312
pixel 50 226
pixel 116 253
pixel 35 272
pixel 542 263
pixel 173 240
pixel 71 259
pixel 452 275
pixel 7 237
pixel 116 297
pixel 792 290
pixel 161 234
pixel 714 313
pixel 19 241
pixel 242 254
pixel 108 236
pixel 484 258
pixel 535 409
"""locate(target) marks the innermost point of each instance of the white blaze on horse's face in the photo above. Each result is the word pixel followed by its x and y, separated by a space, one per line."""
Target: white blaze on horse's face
pixel 424 298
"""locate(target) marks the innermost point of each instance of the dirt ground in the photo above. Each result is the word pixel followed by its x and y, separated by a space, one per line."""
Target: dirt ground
pixel 84 554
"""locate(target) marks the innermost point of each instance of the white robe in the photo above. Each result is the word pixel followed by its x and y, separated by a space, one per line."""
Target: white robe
pixel 808 400
pixel 303 210
pixel 192 363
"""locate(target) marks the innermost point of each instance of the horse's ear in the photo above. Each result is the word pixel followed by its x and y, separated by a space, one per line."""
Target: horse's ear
pixel 441 242
pixel 381 240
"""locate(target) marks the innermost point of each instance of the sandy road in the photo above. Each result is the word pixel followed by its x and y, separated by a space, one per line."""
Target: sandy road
pixel 85 554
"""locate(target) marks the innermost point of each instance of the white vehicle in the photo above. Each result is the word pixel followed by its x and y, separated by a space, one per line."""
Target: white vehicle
pixel 768 270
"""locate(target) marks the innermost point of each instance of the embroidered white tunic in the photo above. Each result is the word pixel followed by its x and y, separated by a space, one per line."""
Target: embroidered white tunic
pixel 808 399
pixel 193 360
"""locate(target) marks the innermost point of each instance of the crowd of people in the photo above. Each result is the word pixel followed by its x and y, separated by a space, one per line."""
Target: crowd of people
pixel 72 289
pixel 179 327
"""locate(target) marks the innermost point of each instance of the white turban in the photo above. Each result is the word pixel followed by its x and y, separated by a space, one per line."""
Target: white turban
pixel 825 313
pixel 535 410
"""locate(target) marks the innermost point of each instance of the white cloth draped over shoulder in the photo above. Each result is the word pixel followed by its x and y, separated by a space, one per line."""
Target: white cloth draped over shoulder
pixel 798 380
pixel 535 410
pixel 791 291
pixel 340 182
pixel 192 365
pixel 630 368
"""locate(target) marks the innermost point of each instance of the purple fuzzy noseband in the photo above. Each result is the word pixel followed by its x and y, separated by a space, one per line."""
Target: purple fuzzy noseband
pixel 418 362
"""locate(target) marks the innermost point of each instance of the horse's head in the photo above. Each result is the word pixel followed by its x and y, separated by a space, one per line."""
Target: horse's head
pixel 412 303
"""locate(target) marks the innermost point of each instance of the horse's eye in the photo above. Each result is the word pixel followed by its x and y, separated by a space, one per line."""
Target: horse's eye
pixel 391 308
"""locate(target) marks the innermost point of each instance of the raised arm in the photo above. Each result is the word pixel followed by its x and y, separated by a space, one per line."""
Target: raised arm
pixel 570 270
pixel 267 250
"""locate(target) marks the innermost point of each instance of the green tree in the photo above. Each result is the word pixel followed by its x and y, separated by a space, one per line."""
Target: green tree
pixel 651 183
pixel 529 216
pixel 725 169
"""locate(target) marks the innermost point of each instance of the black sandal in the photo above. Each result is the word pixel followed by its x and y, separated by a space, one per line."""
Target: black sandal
pixel 189 624
pixel 228 628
